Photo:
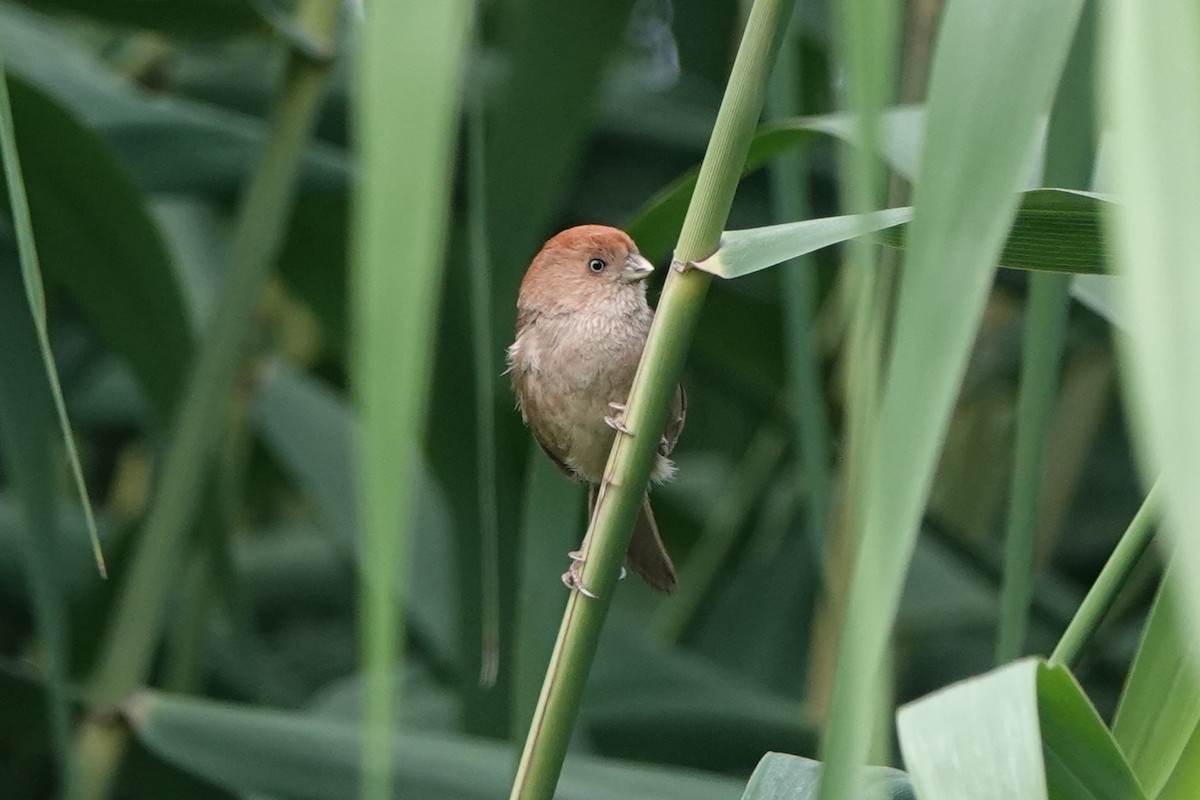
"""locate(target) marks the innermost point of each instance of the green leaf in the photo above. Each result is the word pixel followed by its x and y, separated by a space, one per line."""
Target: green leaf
pixel 780 776
pixel 1153 73
pixel 167 143
pixel 1055 230
pixel 299 756
pixel 657 224
pixel 406 133
pixel 1184 782
pixel 972 169
pixel 1025 730
pixel 1160 704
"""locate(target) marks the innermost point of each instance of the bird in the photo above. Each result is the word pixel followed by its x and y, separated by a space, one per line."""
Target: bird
pixel 582 323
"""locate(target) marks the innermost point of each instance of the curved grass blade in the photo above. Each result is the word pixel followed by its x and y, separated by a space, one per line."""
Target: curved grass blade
pixel 1055 230
pixel 1160 703
pixel 32 275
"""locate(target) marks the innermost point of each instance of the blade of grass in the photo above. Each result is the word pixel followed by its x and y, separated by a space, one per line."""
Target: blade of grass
pixel 964 203
pixel 789 185
pixel 485 393
pixel 1070 152
pixel 31 273
pixel 648 404
pixel 1109 582
pixel 1160 703
pixel 1150 85
pixel 411 66
pixel 1055 230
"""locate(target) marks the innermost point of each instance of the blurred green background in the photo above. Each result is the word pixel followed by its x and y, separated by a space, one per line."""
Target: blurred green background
pixel 139 122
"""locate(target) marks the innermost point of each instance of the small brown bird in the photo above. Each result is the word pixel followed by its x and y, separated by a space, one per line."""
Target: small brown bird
pixel 582 322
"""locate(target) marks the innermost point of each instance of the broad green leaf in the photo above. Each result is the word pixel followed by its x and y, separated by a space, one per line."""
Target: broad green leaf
pixel 1160 704
pixel 1055 230
pixel 248 749
pixel 780 776
pixel 972 168
pixel 167 143
pixel 1025 730
pixel 1151 80
pixel 1184 782
pixel 411 63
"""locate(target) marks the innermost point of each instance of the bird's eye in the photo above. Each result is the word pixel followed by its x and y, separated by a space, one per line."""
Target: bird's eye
pixel 596 265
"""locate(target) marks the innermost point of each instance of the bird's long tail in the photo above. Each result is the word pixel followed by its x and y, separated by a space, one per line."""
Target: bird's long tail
pixel 646 556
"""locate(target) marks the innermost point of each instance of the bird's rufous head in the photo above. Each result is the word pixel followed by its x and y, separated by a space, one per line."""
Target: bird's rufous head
pixel 584 265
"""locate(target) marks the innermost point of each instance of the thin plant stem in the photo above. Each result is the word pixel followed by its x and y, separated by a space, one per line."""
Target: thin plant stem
pixel 789 182
pixel 1045 331
pixel 1070 153
pixel 485 394
pixel 1103 594
pixel 649 401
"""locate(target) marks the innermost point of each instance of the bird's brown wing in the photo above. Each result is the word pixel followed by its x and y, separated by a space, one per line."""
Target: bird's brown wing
pixel 558 462
pixel 675 424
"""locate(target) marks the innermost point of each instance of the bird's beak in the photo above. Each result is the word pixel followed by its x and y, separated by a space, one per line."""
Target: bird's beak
pixel 636 268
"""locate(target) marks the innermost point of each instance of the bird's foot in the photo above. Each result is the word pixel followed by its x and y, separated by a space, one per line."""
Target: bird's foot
pixel 573 577
pixel 617 420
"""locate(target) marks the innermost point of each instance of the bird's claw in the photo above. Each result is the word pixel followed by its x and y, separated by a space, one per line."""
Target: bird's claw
pixel 617 420
pixel 573 577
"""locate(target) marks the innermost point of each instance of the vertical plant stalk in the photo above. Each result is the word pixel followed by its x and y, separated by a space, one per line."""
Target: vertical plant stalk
pixel 1103 594
pixel 1043 337
pixel 31 274
pixel 866 43
pixel 789 184
pixel 629 464
pixel 136 624
pixel 412 60
pixel 1070 155
pixel 485 392
pixel 262 222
